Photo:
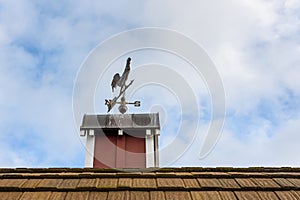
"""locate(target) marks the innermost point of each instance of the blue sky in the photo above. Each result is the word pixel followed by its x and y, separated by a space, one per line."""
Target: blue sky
pixel 255 46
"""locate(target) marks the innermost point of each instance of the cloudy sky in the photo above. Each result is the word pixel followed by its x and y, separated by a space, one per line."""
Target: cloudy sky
pixel 254 45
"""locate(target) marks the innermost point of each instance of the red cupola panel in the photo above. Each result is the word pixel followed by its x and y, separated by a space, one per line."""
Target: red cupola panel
pixel 119 151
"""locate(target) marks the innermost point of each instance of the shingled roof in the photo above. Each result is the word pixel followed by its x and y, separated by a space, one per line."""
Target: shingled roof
pixel 165 183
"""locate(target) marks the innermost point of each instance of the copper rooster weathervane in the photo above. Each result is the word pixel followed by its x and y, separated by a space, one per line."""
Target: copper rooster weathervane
pixel 121 82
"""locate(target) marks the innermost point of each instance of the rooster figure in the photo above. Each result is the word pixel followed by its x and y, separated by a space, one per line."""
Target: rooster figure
pixel 121 80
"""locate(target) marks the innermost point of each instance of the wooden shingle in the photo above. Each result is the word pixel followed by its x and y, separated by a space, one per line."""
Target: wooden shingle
pixel 107 183
pixel 286 195
pixel 35 195
pixel 191 183
pixel 77 195
pixel 206 195
pixel 11 183
pixel 294 181
pixel 247 195
pixel 97 195
pixel 227 195
pixel 49 183
pixel 209 183
pixel 246 183
pixel 266 183
pixel 284 183
pixel 296 194
pixel 229 183
pixel 125 183
pixel 58 195
pixel 170 183
pixel 112 195
pixel 31 183
pixel 266 195
pixel 157 195
pixel 139 195
pixel 177 195
pixel 146 183
pixel 87 183
pixel 10 195
pixel 69 183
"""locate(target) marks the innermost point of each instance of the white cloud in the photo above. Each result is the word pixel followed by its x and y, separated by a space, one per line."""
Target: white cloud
pixel 291 4
pixel 36 124
pixel 257 148
pixel 254 45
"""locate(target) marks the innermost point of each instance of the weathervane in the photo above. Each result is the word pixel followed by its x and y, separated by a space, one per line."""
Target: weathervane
pixel 121 82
